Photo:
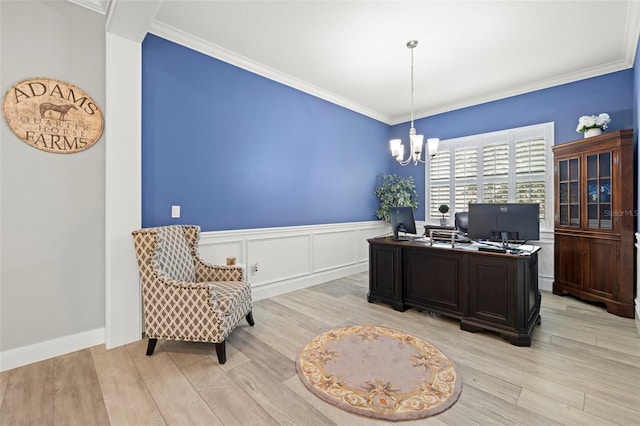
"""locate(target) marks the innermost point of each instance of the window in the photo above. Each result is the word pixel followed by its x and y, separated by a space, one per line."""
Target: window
pixel 507 166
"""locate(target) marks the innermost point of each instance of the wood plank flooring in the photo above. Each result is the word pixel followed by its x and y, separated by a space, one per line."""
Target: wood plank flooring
pixel 583 368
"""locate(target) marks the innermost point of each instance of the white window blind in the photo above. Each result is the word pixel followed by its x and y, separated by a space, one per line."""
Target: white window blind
pixel 495 159
pixel 466 163
pixel 531 167
pixel 507 166
pixel 441 188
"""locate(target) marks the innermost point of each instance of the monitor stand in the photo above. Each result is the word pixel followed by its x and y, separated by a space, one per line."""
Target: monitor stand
pixel 396 237
pixel 505 239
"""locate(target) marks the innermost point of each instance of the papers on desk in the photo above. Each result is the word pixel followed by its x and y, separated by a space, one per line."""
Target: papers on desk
pixel 519 249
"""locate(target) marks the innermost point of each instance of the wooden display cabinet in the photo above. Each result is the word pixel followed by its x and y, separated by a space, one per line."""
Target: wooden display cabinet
pixel 595 220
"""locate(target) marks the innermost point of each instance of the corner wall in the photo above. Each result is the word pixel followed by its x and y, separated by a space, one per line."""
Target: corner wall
pixel 52 207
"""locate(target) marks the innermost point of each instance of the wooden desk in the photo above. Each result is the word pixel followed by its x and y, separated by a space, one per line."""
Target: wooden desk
pixel 485 291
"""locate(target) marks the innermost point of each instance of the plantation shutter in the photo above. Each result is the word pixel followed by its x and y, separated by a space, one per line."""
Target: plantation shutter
pixel 466 172
pixel 530 173
pixel 495 172
pixel 440 178
pixel 500 167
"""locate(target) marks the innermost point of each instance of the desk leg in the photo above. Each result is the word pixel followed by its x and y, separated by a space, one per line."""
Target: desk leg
pixel 470 327
pixel 397 306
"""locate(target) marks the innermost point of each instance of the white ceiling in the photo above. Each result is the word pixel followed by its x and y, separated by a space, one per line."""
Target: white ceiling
pixel 354 53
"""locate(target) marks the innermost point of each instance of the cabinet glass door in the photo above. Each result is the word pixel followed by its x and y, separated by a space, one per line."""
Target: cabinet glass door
pixel 599 191
pixel 569 192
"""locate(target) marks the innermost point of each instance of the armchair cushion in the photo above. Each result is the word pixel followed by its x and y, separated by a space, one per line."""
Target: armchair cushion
pixel 173 259
pixel 231 294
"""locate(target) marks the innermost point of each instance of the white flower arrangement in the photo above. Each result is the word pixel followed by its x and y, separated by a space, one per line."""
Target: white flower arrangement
pixel 587 122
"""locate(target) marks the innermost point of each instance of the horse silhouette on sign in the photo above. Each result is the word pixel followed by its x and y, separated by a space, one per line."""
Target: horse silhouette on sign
pixel 62 109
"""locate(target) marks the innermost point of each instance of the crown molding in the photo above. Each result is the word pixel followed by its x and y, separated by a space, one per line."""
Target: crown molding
pixel 189 41
pixel 225 55
pixel 518 90
pixel 100 6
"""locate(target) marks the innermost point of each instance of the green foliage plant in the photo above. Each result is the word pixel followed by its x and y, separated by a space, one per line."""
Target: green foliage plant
pixel 395 191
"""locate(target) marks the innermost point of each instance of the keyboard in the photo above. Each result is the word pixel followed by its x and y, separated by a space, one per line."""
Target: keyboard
pixel 492 249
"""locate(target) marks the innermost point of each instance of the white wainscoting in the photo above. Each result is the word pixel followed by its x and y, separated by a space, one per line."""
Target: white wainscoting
pixel 545 261
pixel 291 258
pixel 296 257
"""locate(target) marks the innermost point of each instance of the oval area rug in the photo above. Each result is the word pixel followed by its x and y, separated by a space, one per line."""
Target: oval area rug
pixel 379 372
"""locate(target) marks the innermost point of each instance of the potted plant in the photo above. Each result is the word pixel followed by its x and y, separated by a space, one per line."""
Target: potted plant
pixel 593 125
pixel 444 209
pixel 395 191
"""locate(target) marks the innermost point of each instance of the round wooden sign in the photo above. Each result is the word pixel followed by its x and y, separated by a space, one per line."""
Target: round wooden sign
pixel 52 115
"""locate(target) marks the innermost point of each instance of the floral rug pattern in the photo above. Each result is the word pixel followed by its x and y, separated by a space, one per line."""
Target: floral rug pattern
pixel 379 372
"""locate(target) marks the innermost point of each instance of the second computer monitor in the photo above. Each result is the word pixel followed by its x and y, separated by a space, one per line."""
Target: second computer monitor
pixel 402 220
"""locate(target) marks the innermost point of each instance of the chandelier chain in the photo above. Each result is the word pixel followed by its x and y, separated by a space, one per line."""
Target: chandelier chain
pixel 411 48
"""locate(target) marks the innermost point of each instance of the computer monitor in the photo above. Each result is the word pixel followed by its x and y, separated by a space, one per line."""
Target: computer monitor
pixel 402 219
pixel 504 222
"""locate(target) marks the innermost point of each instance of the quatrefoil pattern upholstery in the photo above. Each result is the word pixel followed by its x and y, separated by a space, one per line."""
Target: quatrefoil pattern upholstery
pixel 183 297
pixel 173 259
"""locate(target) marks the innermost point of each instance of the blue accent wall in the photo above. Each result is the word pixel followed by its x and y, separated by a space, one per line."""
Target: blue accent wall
pixel 236 150
pixel 564 104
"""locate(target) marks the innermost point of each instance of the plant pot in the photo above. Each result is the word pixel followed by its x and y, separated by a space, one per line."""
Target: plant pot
pixel 593 132
pixel 443 222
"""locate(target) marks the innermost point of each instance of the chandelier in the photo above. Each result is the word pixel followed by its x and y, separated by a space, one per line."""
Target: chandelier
pixel 415 141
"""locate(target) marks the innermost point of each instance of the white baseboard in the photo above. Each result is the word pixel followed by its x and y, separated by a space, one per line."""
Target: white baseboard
pixel 49 349
pixel 289 258
pixel 545 283
pixel 274 289
pixel 41 351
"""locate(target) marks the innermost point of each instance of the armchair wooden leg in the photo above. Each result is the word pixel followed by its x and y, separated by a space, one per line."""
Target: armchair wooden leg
pixel 222 352
pixel 249 318
pixel 151 346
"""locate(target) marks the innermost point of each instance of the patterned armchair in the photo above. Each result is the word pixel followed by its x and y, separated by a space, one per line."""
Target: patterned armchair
pixel 184 298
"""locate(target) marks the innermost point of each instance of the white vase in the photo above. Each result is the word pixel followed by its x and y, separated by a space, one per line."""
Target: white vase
pixel 593 132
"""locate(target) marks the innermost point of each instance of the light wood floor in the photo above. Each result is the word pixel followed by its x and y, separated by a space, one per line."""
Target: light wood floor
pixel 582 369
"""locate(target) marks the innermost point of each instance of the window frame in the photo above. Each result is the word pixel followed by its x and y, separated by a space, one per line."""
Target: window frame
pixel 478 141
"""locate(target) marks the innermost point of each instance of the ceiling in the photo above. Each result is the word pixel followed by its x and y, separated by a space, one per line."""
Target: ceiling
pixel 354 53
